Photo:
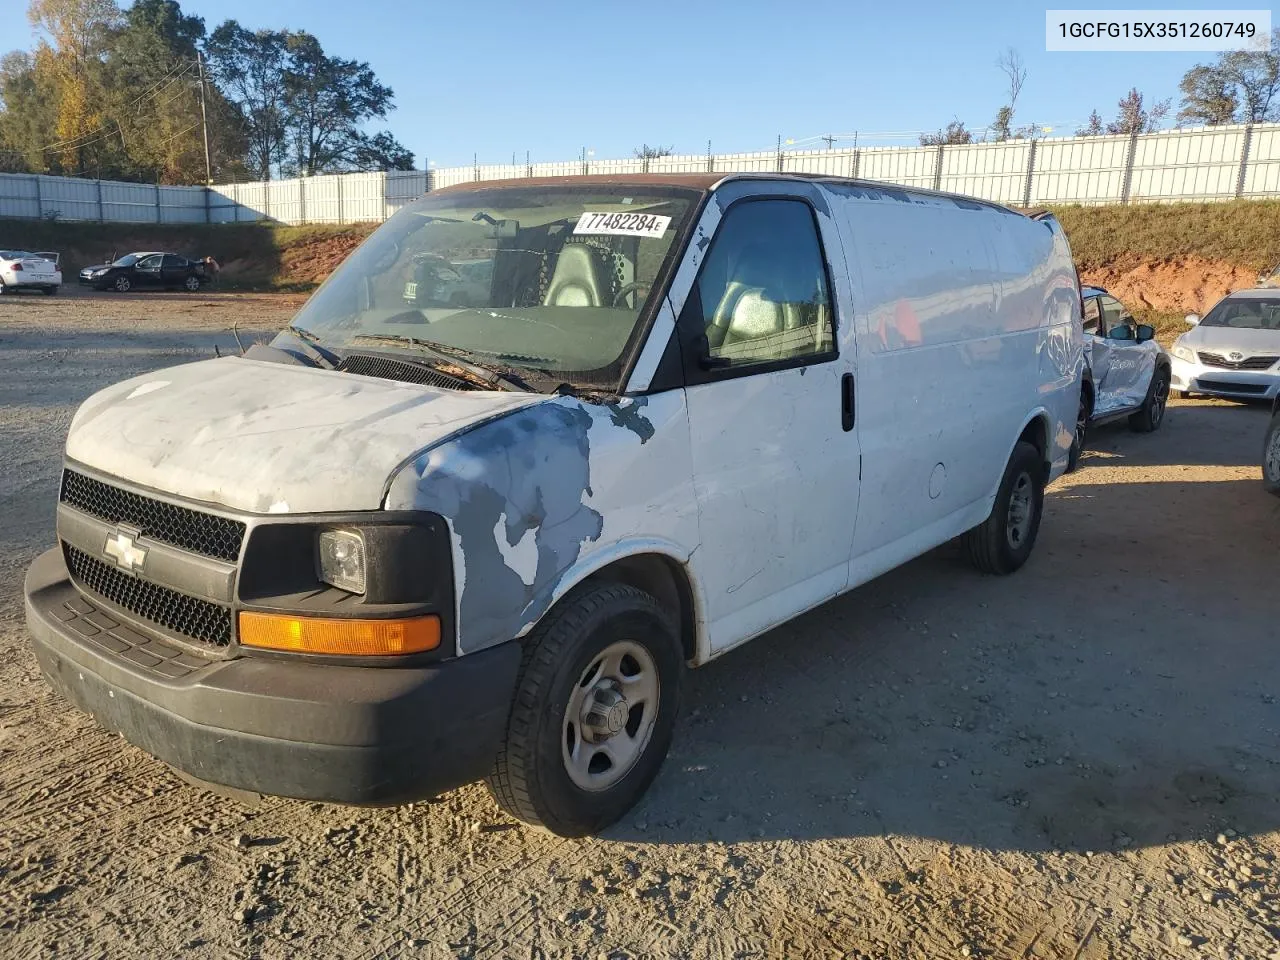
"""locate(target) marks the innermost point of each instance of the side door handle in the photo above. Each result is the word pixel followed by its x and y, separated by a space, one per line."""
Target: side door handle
pixel 847 402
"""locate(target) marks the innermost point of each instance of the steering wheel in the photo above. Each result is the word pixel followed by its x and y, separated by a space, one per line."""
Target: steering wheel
pixel 629 288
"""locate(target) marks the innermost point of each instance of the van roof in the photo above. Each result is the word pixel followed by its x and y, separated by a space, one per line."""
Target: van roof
pixel 706 182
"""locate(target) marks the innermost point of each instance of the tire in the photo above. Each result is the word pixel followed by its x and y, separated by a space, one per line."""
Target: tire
pixel 548 748
pixel 50 291
pixel 1000 544
pixel 1150 415
pixel 1271 457
pixel 1082 430
pixel 191 284
pixel 122 285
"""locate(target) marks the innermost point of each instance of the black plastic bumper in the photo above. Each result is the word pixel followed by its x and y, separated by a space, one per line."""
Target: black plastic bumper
pixel 359 735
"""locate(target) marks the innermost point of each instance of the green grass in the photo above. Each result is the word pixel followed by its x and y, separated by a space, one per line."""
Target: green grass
pixel 1245 233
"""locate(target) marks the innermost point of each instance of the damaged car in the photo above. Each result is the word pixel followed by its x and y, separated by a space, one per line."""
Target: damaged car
pixel 1126 372
pixel 478 528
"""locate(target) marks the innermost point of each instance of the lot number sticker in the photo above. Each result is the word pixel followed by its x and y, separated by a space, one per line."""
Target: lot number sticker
pixel 623 224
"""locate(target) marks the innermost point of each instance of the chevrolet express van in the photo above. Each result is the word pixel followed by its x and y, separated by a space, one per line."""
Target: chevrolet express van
pixel 533 450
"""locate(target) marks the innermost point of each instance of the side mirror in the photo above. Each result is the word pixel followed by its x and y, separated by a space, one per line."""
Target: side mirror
pixel 1120 333
pixel 1193 319
pixel 1146 332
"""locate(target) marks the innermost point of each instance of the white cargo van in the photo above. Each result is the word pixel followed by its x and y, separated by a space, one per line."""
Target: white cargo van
pixel 442 531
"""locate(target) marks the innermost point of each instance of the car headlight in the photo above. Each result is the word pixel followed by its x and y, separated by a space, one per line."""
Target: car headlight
pixel 1184 353
pixel 97 273
pixel 340 556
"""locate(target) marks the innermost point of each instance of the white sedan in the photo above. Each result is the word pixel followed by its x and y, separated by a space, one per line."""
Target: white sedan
pixel 1234 351
pixel 20 270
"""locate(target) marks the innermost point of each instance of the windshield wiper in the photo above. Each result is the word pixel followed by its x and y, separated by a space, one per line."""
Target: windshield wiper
pixel 487 373
pixel 315 354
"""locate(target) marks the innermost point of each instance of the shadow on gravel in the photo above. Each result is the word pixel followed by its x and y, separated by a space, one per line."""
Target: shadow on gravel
pixel 1119 690
pixel 1185 439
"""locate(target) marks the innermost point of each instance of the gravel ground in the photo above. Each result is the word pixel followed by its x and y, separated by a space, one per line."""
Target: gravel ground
pixel 1080 761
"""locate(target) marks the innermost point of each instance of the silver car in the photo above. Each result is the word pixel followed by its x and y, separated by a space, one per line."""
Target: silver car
pixel 1234 351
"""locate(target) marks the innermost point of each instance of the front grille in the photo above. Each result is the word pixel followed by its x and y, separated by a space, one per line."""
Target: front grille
pixel 1226 386
pixel 205 533
pixel 386 368
pixel 1248 363
pixel 189 616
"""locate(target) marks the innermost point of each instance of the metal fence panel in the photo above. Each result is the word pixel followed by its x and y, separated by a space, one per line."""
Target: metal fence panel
pixel 1187 164
pixel 1079 170
pixel 909 166
pixel 992 171
pixel 1262 173
pixel 19 196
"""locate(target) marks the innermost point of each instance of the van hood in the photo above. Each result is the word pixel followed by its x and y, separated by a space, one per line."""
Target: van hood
pixel 267 437
pixel 1220 339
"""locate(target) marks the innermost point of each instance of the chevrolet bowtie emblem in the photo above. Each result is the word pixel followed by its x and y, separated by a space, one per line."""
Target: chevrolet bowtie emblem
pixel 122 548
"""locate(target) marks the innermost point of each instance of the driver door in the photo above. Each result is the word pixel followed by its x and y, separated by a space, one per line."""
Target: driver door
pixel 146 272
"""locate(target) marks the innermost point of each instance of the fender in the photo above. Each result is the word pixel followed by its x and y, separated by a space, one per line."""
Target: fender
pixel 543 603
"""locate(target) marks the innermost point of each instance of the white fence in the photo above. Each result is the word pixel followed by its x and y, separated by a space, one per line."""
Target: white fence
pixel 1205 163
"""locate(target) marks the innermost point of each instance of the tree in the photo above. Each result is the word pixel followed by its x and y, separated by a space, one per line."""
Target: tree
pixel 1093 128
pixel 1208 96
pixel 955 133
pixel 328 98
pixel 28 114
pixel 252 68
pixel 1015 71
pixel 70 71
pixel 1133 117
pixel 1241 86
pixel 381 151
pixel 646 152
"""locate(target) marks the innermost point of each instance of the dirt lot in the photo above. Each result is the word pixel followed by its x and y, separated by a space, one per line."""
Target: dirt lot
pixel 1080 761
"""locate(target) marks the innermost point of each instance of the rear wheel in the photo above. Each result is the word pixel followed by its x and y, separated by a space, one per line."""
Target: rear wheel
pixel 122 285
pixel 594 711
pixel 1003 542
pixel 1271 457
pixel 50 291
pixel 1151 414
pixel 191 284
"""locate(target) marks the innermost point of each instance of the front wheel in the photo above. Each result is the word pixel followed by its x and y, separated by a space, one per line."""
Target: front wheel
pixel 1150 415
pixel 1003 542
pixel 594 711
pixel 123 285
pixel 1271 457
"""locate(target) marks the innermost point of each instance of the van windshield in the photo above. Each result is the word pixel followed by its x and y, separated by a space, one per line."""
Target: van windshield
pixel 551 279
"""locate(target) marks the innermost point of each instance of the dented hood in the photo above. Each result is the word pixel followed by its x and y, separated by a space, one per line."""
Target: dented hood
pixel 267 437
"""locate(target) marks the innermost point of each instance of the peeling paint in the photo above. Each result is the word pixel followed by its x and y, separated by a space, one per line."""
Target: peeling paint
pixel 627 415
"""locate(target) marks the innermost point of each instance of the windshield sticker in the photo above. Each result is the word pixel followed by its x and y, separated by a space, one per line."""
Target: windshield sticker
pixel 622 224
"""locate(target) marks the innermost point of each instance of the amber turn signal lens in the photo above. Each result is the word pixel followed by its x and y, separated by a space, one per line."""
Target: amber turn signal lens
pixel 359 638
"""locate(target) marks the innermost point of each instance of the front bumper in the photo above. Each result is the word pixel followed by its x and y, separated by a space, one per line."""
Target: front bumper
pixel 358 735
pixel 1219 382
pixel 91 281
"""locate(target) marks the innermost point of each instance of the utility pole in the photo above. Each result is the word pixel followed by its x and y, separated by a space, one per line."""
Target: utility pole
pixel 204 123
pixel 831 141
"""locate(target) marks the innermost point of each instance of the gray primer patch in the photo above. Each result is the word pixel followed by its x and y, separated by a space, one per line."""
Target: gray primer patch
pixel 629 417
pixel 533 472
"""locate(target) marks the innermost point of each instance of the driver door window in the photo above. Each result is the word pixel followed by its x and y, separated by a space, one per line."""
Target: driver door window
pixel 762 297
pixel 1114 314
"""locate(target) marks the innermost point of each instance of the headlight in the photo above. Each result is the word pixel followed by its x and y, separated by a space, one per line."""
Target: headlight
pixel 97 273
pixel 1184 353
pixel 340 554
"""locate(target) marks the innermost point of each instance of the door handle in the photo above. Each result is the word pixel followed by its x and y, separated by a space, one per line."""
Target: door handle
pixel 847 402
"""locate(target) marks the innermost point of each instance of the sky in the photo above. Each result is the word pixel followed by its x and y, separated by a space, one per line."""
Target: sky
pixel 494 79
